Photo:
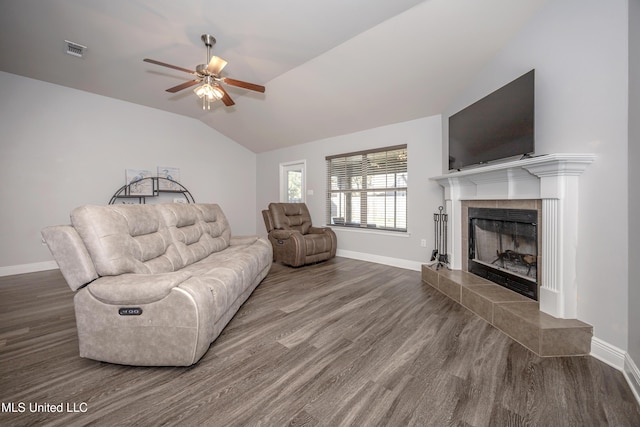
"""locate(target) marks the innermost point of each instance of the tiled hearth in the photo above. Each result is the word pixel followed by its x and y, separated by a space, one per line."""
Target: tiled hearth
pixel 517 316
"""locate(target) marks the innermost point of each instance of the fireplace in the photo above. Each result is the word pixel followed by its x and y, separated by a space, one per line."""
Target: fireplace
pixel 503 247
pixel 552 180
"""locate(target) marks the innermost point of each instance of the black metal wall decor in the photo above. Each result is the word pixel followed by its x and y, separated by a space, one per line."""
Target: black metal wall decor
pixel 439 255
pixel 129 191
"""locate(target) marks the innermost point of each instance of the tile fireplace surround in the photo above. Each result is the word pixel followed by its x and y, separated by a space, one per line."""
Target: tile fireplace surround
pixel 548 184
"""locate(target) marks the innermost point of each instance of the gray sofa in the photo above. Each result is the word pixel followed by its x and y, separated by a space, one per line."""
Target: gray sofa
pixel 156 283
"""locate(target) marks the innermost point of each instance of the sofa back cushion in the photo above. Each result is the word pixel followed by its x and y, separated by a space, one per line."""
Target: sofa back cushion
pixel 197 230
pixel 126 239
pixel 215 224
pixel 290 216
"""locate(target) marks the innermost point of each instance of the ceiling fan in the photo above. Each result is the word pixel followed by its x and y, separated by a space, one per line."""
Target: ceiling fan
pixel 209 75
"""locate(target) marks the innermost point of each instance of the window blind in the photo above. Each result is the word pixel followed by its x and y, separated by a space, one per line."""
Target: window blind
pixel 368 189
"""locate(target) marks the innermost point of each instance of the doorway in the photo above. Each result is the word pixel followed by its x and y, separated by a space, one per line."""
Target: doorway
pixel 293 181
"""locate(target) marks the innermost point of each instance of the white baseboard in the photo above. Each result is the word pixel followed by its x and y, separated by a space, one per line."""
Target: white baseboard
pixel 620 360
pixel 28 268
pixel 632 375
pixel 607 353
pixel 379 259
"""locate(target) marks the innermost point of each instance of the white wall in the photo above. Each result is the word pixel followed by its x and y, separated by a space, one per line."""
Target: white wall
pixel 634 179
pixel 579 51
pixel 423 138
pixel 61 148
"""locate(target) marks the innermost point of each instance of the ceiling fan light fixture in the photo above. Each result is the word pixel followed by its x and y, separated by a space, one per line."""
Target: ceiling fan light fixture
pixel 208 93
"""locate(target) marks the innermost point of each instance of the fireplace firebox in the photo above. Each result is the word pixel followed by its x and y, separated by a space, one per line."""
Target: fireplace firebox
pixel 503 248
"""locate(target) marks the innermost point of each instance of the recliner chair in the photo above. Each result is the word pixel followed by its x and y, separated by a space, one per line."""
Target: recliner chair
pixel 295 240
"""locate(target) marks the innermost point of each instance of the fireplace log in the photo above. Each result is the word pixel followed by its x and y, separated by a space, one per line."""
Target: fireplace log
pixel 528 260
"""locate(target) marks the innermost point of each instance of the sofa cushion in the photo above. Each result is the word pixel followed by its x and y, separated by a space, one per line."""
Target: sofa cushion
pixel 126 239
pixel 196 230
pixel 215 224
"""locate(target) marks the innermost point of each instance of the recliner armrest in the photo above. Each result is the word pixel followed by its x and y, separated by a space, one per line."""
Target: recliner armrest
pixel 283 234
pixel 319 230
pixel 288 246
pixel 328 232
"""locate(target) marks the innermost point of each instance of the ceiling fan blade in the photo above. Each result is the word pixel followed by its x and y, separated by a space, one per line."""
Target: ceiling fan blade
pixel 183 86
pixel 244 85
pixel 216 65
pixel 226 98
pixel 153 61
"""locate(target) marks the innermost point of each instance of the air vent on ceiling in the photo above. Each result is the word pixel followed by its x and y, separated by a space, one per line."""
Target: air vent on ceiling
pixel 75 49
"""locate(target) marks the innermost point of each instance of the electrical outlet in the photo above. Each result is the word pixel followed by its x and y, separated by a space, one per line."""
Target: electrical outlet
pixel 423 243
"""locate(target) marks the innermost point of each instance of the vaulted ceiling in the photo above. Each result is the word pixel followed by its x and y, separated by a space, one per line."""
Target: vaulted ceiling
pixel 330 67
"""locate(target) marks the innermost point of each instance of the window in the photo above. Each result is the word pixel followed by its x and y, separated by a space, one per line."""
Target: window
pixel 292 182
pixel 368 189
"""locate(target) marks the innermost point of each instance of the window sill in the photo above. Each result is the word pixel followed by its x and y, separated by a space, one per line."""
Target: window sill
pixel 369 231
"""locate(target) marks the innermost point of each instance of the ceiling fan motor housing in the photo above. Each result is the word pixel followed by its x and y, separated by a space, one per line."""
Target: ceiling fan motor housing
pixel 201 69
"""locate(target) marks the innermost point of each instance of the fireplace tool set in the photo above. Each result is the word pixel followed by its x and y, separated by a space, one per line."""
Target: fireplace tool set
pixel 439 255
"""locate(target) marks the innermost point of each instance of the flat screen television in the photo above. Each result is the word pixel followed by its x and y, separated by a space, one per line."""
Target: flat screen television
pixel 498 126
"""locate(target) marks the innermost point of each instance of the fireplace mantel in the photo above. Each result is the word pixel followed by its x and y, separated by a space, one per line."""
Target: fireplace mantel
pixel 553 178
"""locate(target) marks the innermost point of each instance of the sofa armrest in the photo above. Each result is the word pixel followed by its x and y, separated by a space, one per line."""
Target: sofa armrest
pixel 133 288
pixel 243 240
pixel 71 254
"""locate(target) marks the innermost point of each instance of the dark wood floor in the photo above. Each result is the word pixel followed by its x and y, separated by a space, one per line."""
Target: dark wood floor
pixel 338 343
